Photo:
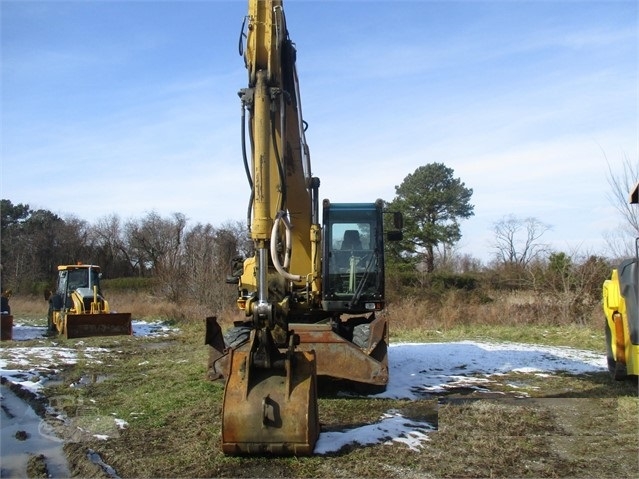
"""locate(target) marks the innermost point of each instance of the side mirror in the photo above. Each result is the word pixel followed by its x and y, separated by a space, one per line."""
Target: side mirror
pixel 395 236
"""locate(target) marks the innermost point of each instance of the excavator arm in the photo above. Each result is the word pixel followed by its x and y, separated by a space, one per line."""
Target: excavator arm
pixel 283 217
pixel 270 402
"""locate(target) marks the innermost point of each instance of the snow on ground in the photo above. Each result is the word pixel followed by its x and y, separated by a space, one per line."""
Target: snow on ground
pixel 39 363
pixel 421 370
pixel 417 371
pixel 392 427
pixel 31 368
pixel 153 328
pixel 34 366
pixel 26 332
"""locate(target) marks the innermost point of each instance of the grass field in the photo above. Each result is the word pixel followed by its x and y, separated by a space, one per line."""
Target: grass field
pixel 517 424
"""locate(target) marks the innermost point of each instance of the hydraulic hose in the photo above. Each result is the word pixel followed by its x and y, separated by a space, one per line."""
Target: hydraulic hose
pixel 278 161
pixel 244 155
pixel 247 169
pixel 281 216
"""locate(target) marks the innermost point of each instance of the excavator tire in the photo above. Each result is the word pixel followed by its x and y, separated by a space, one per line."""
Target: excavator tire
pixel 616 369
pixel 236 336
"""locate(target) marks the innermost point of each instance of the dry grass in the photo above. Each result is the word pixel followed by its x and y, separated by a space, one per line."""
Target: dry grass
pixel 458 308
pixel 452 310
pixel 141 306
pixel 455 315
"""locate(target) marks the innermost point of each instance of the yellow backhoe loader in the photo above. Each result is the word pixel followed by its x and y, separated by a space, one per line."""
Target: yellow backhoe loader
pixel 313 292
pixel 621 307
pixel 77 308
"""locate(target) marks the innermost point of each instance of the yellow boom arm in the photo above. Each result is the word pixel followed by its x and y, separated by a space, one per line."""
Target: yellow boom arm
pixel 284 224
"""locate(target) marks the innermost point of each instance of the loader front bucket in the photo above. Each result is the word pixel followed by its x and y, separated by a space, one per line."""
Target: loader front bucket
pixel 270 411
pixel 103 324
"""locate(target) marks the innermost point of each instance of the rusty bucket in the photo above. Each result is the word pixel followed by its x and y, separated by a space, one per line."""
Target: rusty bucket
pixel 270 411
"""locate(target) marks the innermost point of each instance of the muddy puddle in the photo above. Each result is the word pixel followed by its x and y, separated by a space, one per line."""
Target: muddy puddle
pixel 27 440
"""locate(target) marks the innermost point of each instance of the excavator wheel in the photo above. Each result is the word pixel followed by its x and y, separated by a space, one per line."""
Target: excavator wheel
pixel 236 336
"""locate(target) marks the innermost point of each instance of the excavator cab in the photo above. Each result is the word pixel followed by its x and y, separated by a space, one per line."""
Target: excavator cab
pixel 353 268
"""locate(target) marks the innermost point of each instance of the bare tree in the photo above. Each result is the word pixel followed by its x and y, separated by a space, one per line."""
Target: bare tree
pixel 157 242
pixel 208 252
pixel 518 241
pixel 108 240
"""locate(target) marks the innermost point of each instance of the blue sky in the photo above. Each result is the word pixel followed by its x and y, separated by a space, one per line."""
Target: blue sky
pixel 131 107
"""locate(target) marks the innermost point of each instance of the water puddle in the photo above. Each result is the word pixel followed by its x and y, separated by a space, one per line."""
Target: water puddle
pixel 24 436
pixel 96 459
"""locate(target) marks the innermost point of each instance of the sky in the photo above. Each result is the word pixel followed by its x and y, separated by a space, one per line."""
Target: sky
pixel 131 107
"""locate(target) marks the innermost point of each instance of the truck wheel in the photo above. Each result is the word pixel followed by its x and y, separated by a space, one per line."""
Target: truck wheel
pixel 617 370
pixel 50 326
pixel 361 335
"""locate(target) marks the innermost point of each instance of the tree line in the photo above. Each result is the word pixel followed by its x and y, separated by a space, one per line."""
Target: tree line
pixel 183 261
pixel 192 261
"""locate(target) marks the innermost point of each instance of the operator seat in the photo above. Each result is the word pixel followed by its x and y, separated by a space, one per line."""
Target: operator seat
pixel 351 240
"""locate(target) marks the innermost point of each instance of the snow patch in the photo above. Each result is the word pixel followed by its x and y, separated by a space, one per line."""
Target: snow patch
pixel 392 427
pixel 421 370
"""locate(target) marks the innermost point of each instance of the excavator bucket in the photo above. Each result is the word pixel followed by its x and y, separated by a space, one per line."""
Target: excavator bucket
pixel 270 411
pixel 104 324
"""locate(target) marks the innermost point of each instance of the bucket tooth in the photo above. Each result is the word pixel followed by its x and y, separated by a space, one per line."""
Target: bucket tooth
pixel 218 354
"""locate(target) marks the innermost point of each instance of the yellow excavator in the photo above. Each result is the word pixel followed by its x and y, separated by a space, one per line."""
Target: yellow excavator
pixel 77 307
pixel 312 293
pixel 621 307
